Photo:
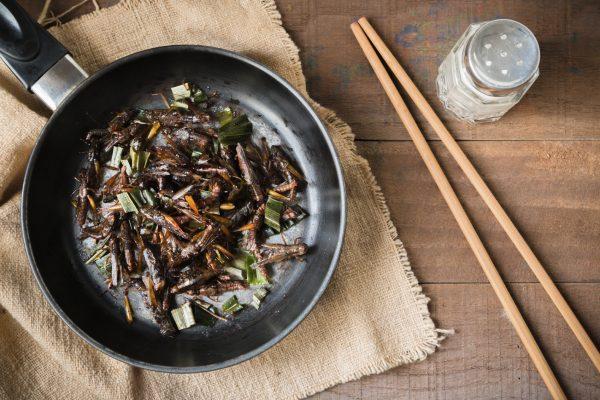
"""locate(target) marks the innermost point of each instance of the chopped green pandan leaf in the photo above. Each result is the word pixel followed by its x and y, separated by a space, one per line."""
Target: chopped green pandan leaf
pixel 183 316
pixel 138 159
pixel 181 92
pixel 127 202
pixel 149 197
pixel 127 166
pixel 115 159
pixel 193 225
pixel 238 130
pixel 101 260
pixel 182 105
pixel 235 272
pixel 96 255
pixel 205 318
pixel 153 131
pixel 254 277
pixel 215 210
pixel 260 293
pixel 301 213
pixel 205 194
pixel 142 117
pixel 273 214
pixel 258 296
pixel 288 223
pixel 103 265
pixel 225 116
pixel 137 197
pixel 231 305
pixel 143 158
pixel 198 96
pixel 243 260
pixel 196 153
pixel 133 158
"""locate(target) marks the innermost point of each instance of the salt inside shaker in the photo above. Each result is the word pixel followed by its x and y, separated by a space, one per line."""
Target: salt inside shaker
pixel 488 70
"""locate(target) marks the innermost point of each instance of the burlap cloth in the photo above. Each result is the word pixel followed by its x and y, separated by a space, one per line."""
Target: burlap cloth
pixel 372 317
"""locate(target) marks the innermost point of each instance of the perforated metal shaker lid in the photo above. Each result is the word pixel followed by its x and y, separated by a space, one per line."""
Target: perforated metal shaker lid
pixel 503 54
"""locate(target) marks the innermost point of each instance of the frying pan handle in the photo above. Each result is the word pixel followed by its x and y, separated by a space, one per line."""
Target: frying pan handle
pixel 37 59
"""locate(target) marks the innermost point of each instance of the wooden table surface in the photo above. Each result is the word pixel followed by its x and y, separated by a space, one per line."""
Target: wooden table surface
pixel 542 160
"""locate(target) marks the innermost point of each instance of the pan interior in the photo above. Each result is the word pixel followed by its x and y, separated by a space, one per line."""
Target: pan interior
pixel 77 291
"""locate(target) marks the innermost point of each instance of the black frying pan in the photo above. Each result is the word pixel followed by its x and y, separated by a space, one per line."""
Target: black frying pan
pixel 74 290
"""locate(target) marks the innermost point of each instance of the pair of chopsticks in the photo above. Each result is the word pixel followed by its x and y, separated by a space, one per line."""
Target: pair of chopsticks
pixel 367 37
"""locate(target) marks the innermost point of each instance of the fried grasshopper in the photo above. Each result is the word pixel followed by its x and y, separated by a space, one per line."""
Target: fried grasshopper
pixel 172 198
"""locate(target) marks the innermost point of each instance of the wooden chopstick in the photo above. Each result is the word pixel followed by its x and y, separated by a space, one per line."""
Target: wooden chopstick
pixel 485 192
pixel 460 215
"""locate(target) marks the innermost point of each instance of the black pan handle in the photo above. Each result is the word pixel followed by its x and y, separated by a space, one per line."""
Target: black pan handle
pixel 28 49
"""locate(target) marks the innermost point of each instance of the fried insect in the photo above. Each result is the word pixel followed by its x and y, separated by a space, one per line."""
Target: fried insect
pixel 172 199
pixel 273 253
pixel 164 220
pixel 249 174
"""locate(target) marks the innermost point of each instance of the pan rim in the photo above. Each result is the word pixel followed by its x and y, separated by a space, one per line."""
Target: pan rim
pixel 37 149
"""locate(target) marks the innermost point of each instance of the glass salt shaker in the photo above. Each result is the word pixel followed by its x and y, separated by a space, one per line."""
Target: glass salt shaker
pixel 489 69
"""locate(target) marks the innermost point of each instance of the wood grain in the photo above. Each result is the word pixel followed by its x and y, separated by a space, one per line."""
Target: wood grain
pixel 562 104
pixel 551 190
pixel 484 359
